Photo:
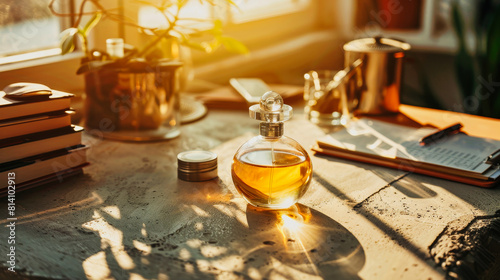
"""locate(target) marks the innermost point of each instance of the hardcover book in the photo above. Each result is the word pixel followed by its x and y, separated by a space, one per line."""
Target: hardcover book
pixel 42 165
pixel 38 143
pixel 10 108
pixel 33 124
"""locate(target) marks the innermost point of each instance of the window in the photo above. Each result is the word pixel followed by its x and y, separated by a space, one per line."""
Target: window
pixel 247 10
pixel 252 22
pixel 262 25
pixel 273 30
pixel 152 18
pixel 28 30
pixel 242 11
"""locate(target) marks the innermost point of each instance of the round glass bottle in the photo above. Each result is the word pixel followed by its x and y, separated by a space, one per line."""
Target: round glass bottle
pixel 271 170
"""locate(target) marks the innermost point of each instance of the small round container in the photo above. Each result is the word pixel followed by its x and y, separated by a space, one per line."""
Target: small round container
pixel 196 166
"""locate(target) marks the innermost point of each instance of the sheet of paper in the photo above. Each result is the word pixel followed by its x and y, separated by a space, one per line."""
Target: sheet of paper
pixel 458 151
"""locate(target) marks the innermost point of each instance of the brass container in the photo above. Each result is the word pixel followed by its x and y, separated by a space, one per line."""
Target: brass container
pixel 376 88
pixel 133 103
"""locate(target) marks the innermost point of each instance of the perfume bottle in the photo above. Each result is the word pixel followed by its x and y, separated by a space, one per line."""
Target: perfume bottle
pixel 271 170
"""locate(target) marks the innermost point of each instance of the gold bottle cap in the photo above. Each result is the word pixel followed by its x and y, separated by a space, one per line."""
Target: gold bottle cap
pixel 196 166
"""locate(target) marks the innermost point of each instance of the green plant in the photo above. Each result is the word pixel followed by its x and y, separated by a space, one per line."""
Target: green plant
pixel 478 72
pixel 178 28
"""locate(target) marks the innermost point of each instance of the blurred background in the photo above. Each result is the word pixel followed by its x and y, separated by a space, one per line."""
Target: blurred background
pixel 453 63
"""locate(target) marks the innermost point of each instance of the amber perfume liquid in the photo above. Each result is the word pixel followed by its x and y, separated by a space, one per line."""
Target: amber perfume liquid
pixel 273 179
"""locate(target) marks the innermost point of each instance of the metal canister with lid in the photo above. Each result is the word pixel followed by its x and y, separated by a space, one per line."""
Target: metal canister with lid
pixel 196 166
pixel 375 89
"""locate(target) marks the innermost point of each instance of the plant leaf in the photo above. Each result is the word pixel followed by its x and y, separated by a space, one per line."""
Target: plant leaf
pixel 68 45
pixel 181 3
pixel 143 2
pixel 496 106
pixel 493 43
pixel 211 2
pixel 196 46
pixel 464 63
pixel 91 23
pixel 230 2
pixel 211 46
pixel 217 29
pixel 68 32
pixel 67 42
pixel 164 5
pixel 184 40
pixel 233 45
pixel 458 23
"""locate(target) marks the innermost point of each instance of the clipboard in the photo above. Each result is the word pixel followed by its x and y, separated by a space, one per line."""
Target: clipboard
pixel 459 158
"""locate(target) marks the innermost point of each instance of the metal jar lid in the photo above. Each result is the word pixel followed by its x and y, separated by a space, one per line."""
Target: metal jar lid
pixel 376 45
pixel 196 166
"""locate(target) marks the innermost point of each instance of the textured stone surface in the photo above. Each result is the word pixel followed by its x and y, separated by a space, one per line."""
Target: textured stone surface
pixel 128 217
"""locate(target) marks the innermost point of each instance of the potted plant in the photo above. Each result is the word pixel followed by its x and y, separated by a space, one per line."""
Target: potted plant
pixel 133 93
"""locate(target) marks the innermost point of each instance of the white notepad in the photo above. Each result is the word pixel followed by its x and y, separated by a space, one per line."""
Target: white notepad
pixel 458 154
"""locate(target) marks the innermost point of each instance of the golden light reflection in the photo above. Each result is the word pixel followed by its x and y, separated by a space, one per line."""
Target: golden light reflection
pixel 112 238
pixel 224 209
pixel 96 267
pixel 184 254
pixel 113 211
pixel 304 241
pixel 136 276
pixel 194 243
pixel 143 230
pixel 199 226
pixel 232 211
pixel 162 276
pixel 254 273
pixel 189 268
pixel 145 248
pixel 211 251
pixel 209 192
pixel 295 230
pixel 290 224
pixel 200 212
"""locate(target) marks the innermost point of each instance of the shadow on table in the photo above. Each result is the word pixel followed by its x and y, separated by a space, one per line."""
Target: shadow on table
pixel 399 179
pixel 213 235
pixel 178 230
pixel 409 186
pixel 374 218
pixel 305 240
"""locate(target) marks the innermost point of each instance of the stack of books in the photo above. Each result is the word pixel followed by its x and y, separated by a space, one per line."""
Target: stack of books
pixel 38 143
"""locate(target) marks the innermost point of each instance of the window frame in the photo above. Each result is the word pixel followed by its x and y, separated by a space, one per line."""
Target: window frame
pixel 41 53
pixel 273 30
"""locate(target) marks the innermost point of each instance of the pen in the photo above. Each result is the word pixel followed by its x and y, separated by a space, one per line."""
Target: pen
pixel 453 129
pixel 494 158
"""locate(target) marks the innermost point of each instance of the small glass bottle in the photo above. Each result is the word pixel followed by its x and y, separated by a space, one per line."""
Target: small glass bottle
pixel 271 170
pixel 115 47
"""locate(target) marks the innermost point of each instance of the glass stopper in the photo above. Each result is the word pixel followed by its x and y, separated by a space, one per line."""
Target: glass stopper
pixel 271 101
pixel 271 109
